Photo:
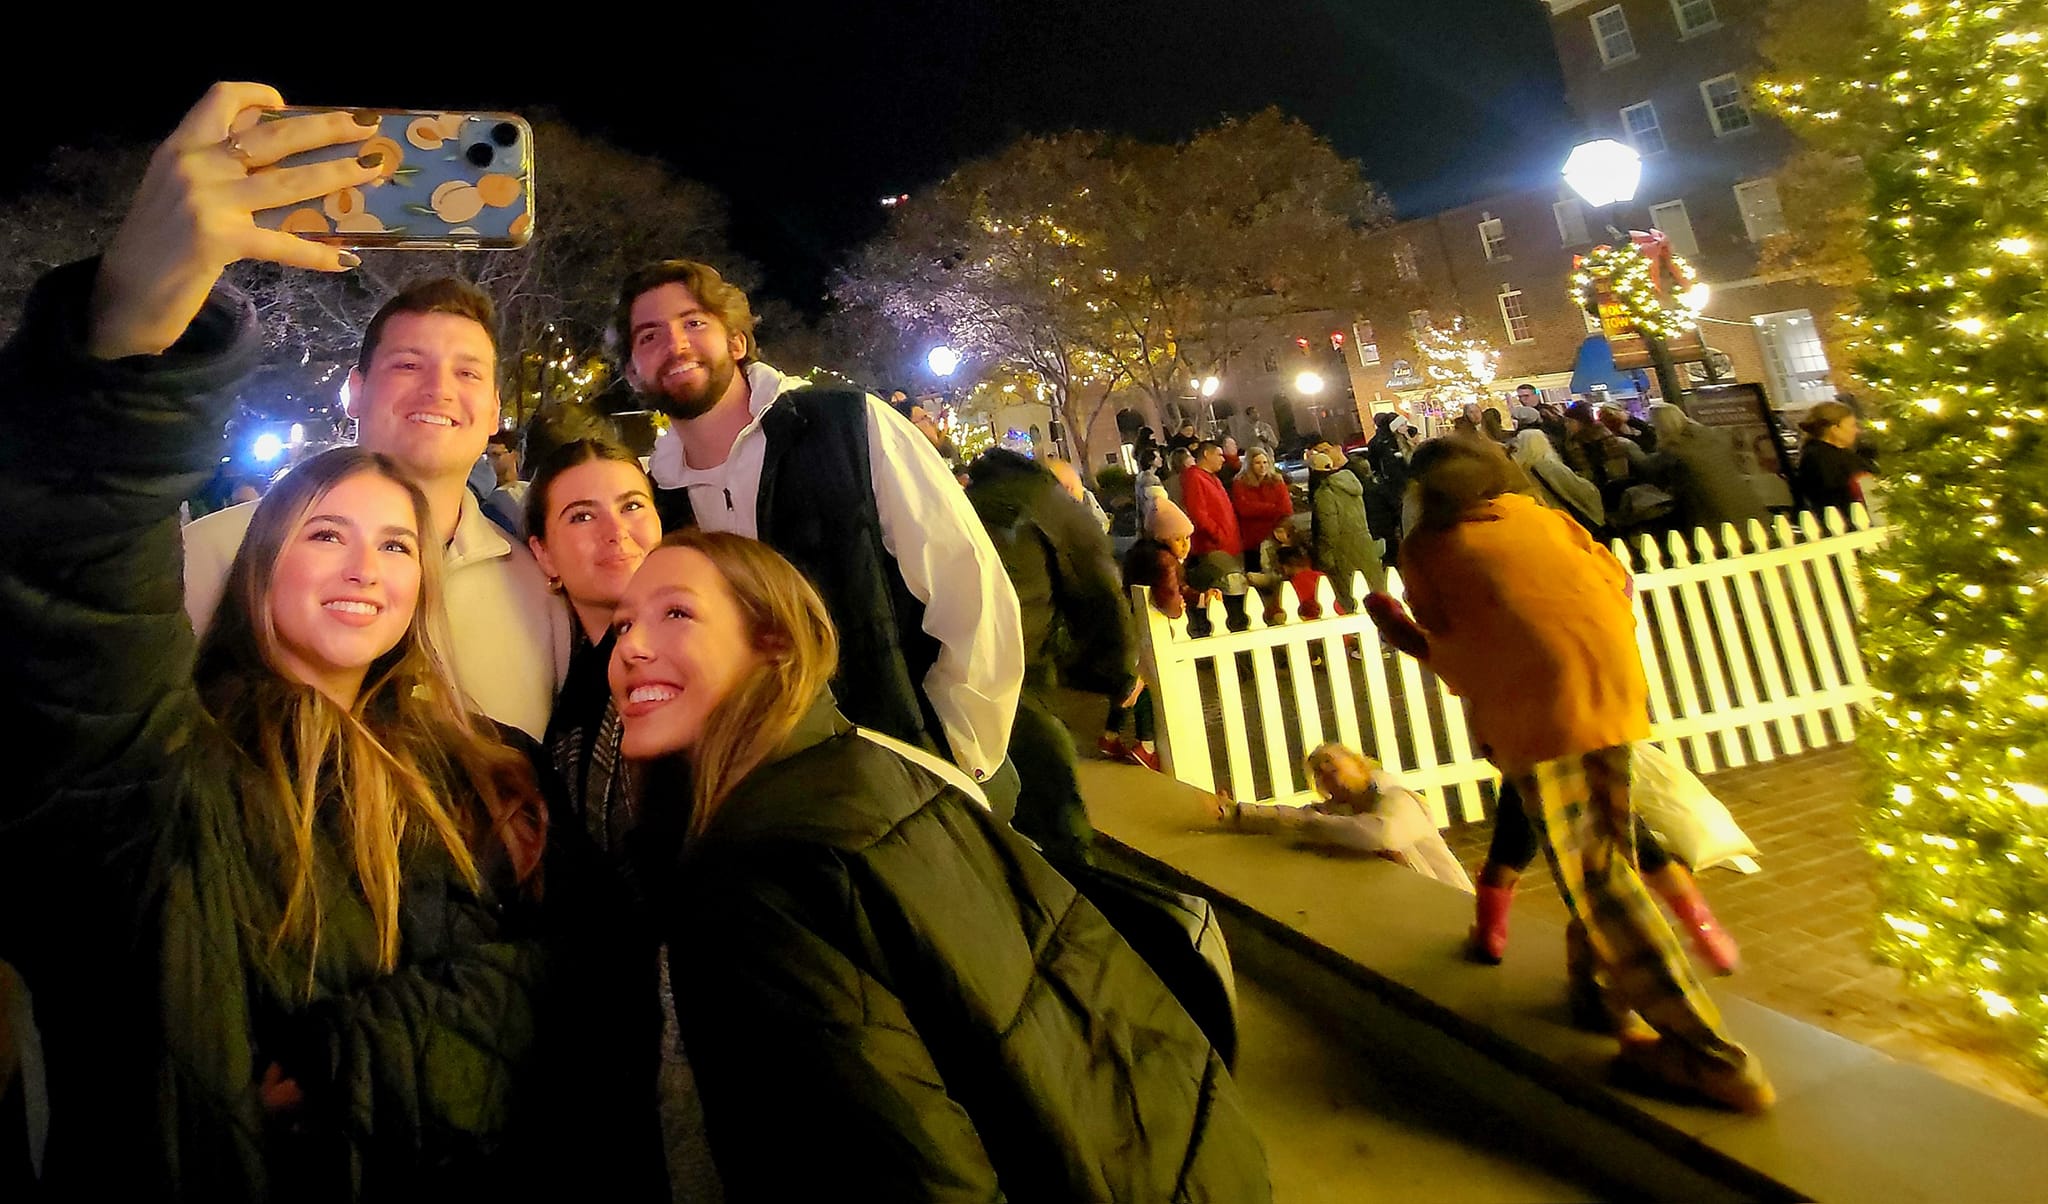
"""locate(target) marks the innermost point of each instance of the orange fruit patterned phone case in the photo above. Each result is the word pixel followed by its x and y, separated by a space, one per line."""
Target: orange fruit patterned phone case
pixel 449 182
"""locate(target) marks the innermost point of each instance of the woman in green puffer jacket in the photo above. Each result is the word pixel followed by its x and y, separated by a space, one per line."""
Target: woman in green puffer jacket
pixel 274 895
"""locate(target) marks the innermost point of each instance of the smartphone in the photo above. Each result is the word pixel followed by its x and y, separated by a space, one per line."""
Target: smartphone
pixel 449 182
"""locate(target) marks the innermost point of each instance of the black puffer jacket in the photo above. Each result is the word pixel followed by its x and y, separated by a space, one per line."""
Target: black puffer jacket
pixel 885 992
pixel 133 898
pixel 1076 625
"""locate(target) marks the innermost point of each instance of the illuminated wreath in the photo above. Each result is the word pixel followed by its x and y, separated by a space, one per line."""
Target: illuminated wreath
pixel 1632 275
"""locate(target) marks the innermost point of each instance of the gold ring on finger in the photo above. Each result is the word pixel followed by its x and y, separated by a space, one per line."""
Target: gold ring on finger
pixel 232 144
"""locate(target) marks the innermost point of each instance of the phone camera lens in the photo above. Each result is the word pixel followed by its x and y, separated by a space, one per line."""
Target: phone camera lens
pixel 505 134
pixel 481 154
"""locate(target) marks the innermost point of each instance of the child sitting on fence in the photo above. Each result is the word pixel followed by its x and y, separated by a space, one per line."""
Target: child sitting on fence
pixel 1521 613
pixel 1364 809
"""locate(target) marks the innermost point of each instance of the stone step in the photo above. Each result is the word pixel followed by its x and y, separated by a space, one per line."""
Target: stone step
pixel 1374 950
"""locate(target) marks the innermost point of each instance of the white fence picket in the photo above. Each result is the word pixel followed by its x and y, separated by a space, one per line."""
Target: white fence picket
pixel 1811 622
pixel 1272 720
pixel 1771 627
pixel 1770 669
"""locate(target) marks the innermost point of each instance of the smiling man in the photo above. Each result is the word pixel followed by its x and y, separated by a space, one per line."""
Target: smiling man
pixel 424 392
pixel 931 647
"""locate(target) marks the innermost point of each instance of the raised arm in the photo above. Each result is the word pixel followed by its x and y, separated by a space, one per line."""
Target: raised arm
pixel 109 418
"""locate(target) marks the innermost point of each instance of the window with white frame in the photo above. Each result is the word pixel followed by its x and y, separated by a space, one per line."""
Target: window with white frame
pixel 1571 222
pixel 1640 126
pixel 1762 215
pixel 1610 30
pixel 1404 261
pixel 1368 343
pixel 1726 107
pixel 1695 16
pixel 1676 223
pixel 1493 239
pixel 1419 321
pixel 1514 315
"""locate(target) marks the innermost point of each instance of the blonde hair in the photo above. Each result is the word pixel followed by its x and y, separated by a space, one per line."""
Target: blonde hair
pixel 787 623
pixel 1323 754
pixel 401 764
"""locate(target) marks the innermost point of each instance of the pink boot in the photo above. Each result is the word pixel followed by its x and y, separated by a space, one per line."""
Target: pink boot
pixel 1488 940
pixel 1715 946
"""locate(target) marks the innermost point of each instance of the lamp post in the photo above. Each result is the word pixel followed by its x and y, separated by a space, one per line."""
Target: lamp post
pixel 1605 173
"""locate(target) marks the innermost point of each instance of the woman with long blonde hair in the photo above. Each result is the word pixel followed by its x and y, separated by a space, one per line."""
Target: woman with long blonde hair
pixel 274 895
pixel 864 955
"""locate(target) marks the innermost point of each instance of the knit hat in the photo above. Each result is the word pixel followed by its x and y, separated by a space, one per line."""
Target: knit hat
pixel 1169 522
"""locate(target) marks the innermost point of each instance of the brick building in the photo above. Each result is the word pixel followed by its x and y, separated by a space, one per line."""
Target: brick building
pixel 1671 78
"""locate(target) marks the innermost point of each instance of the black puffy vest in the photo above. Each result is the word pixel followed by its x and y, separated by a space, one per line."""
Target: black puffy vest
pixel 817 508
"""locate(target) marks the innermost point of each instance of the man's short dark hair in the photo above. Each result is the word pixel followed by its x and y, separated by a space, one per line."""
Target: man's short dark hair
pixel 1202 447
pixel 1528 388
pixel 502 441
pixel 441 295
pixel 723 300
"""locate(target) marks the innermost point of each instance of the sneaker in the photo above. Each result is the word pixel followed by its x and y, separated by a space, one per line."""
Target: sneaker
pixel 1112 747
pixel 1136 755
pixel 1665 1063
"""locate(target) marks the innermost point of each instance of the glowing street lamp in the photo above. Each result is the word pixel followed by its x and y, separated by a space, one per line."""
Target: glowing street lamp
pixel 1308 384
pixel 1604 172
pixel 1210 385
pixel 942 360
pixel 267 448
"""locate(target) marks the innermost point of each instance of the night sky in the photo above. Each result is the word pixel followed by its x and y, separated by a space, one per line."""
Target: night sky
pixel 804 123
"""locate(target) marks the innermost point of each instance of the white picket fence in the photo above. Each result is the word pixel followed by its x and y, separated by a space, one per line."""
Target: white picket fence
pixel 1750 649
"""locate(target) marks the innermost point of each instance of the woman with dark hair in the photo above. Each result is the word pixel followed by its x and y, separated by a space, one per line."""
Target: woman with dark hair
pixel 1831 472
pixel 591 517
pixel 275 894
pixel 878 981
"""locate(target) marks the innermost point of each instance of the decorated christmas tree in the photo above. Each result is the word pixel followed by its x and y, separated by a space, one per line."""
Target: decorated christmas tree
pixel 1458 367
pixel 1949 112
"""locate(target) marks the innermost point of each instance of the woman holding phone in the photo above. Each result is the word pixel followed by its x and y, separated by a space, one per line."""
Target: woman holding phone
pixel 868 963
pixel 274 894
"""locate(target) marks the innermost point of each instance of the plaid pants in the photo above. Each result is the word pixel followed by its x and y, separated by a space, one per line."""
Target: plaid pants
pixel 1580 808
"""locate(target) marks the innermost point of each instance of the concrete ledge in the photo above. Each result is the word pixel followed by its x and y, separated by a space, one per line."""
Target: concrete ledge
pixel 1375 949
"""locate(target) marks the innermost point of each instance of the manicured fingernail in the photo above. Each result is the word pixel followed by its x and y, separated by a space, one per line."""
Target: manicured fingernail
pixel 373 159
pixel 367 117
pixel 349 259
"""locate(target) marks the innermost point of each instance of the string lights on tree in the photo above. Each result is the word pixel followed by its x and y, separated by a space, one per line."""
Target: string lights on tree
pixel 1945 109
pixel 1458 367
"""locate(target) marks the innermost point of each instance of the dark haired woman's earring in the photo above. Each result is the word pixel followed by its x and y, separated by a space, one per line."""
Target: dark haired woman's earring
pixel 554 585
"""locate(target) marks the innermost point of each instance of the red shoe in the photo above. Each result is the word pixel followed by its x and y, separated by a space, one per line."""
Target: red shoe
pixel 1715 946
pixel 1113 747
pixel 1487 943
pixel 1136 755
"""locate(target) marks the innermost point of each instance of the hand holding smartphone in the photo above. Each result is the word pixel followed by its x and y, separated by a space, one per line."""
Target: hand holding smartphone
pixel 448 181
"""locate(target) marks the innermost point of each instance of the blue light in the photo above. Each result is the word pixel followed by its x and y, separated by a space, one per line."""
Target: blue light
pixel 267 447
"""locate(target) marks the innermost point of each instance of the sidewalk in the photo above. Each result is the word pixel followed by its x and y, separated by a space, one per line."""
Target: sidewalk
pixel 1805 923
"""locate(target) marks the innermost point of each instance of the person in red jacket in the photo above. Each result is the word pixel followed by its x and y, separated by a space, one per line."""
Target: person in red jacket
pixel 1262 500
pixel 1208 504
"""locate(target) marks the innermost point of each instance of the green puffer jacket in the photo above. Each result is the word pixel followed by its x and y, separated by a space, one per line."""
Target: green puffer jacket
pixel 134 902
pixel 887 995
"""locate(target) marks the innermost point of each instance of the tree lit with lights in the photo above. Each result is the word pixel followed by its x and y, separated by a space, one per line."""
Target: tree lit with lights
pixel 1458 367
pixel 1947 110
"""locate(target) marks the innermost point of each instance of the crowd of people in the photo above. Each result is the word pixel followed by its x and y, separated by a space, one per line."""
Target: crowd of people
pixel 493 813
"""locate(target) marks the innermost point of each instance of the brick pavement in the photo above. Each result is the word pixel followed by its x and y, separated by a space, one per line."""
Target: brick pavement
pixel 1805 922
